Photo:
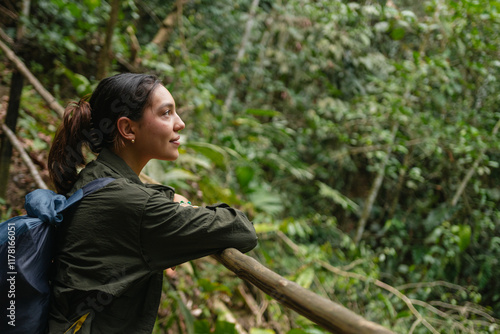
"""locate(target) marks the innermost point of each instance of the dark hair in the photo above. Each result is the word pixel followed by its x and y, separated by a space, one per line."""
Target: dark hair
pixel 93 123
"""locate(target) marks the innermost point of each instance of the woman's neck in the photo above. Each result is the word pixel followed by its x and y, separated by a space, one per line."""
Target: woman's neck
pixel 134 160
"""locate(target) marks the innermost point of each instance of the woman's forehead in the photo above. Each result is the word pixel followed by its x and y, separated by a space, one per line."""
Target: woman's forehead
pixel 162 96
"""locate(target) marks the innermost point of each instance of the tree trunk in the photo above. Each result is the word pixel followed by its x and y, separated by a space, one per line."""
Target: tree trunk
pixel 106 50
pixel 241 53
pixel 401 179
pixel 374 190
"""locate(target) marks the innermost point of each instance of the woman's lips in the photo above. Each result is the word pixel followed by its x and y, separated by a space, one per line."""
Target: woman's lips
pixel 176 141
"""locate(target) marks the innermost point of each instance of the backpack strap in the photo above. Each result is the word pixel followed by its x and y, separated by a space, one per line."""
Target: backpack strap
pixel 87 189
pixel 45 206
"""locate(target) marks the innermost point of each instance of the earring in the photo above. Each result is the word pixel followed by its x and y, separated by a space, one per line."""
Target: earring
pixel 133 141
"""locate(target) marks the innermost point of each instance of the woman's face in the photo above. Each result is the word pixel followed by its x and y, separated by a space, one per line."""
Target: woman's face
pixel 156 134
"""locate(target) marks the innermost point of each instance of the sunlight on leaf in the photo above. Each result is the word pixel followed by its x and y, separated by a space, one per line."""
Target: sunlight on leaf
pixel 338 198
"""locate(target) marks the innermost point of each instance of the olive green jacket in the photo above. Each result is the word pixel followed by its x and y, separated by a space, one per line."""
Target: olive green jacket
pixel 114 245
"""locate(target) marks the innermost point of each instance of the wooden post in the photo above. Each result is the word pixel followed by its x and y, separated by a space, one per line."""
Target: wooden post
pixel 331 316
pixel 16 88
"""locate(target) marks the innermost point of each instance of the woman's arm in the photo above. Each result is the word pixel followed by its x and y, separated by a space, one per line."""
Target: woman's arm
pixel 172 234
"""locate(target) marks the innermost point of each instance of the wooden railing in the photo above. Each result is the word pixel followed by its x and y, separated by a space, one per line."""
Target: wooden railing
pixel 331 316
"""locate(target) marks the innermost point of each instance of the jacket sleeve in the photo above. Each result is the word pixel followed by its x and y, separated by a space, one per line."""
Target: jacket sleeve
pixel 172 234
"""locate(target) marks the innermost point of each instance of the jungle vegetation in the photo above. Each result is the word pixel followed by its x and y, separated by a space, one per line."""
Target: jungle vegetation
pixel 361 137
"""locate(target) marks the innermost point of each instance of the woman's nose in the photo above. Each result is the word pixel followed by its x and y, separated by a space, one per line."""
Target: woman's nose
pixel 179 124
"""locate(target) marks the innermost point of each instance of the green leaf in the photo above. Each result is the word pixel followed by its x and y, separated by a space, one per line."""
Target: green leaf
pixel 284 164
pixel 188 317
pixel 224 327
pixel 464 234
pixel 387 304
pixel 74 10
pixel 39 144
pixel 215 153
pixel 404 314
pixel 264 228
pixel 209 286
pixel 266 201
pixel 202 327
pixel 263 112
pixel 296 331
pixel 306 278
pixel 92 4
pixel 397 33
pixel 244 174
pixel 79 82
pixel 310 330
pixel 177 174
pixel 261 331
pixel 337 197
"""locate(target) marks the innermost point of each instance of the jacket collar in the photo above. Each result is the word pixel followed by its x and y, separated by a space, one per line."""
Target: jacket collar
pixel 117 165
pixel 107 164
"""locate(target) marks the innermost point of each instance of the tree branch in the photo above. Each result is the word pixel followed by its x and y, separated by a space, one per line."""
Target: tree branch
pixel 6 37
pixel 436 311
pixel 51 100
pixel 251 303
pixel 420 285
pixel 464 309
pixel 472 170
pixel 384 286
pixel 27 160
pixel 167 26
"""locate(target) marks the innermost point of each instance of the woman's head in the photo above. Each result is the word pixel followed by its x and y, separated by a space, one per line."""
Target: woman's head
pixel 155 135
pixel 122 95
pixel 94 123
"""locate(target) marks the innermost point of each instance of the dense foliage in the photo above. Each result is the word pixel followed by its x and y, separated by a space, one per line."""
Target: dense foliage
pixel 361 137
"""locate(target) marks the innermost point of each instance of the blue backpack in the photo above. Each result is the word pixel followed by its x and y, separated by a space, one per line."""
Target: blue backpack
pixel 26 253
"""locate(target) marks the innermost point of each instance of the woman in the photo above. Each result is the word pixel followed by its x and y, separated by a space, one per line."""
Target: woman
pixel 114 245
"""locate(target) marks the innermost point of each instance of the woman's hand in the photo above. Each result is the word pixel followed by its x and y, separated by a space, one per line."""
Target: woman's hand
pixel 179 198
pixel 182 200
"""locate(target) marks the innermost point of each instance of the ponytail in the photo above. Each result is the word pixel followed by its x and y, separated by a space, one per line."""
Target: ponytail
pixel 66 156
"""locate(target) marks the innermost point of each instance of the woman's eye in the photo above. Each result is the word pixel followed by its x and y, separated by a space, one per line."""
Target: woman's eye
pixel 167 112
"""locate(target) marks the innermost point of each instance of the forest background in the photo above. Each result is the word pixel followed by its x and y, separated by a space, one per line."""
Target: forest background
pixel 360 137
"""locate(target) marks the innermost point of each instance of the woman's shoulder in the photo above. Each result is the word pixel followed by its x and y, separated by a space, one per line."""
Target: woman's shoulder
pixel 126 189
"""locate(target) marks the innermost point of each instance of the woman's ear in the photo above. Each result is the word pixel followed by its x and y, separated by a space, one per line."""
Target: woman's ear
pixel 126 128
